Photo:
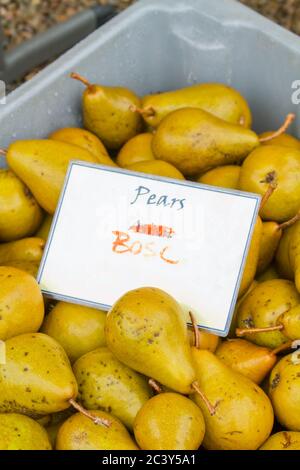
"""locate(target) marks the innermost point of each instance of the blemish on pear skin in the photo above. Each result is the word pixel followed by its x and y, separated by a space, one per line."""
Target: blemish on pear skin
pixel 275 381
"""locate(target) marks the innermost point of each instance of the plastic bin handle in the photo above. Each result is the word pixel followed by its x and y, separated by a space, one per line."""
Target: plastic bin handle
pixel 46 46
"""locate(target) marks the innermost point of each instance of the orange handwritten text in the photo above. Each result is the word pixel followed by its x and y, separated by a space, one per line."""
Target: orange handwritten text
pixel 124 244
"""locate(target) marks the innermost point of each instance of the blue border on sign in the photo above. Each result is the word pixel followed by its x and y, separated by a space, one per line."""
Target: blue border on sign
pixel 191 184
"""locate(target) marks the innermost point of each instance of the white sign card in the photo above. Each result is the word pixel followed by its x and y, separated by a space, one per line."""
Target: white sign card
pixel 116 230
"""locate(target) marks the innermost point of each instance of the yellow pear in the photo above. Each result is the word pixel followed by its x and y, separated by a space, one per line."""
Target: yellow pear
pixel 268 164
pixel 84 139
pixel 42 165
pixel 252 361
pixel 169 421
pixel 234 319
pixel 18 432
pixel 252 258
pixel 78 329
pixel 261 309
pixel 218 99
pixel 105 383
pixel 137 149
pixel 157 167
pixel 284 440
pixel 20 215
pixel 226 176
pixel 21 303
pixel 288 254
pixel 30 267
pixel 243 417
pixel 80 433
pixel 107 112
pixel 36 378
pixel 270 238
pixel 145 329
pixel 195 141
pixel 27 249
pixel 284 391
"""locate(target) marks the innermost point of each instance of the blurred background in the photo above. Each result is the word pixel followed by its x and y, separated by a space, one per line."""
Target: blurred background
pixel 23 19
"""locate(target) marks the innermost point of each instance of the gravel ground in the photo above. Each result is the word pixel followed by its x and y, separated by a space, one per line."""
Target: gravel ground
pixel 22 19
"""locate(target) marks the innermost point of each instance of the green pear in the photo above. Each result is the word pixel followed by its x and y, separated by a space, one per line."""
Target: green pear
pixel 243 418
pixel 20 215
pixel 80 433
pixel 218 99
pixel 36 378
pixel 42 165
pixel 271 163
pixel 105 383
pixel 195 141
pixel 107 112
pixel 169 421
pixel 78 329
pixel 21 303
pixel 18 432
pixel 146 330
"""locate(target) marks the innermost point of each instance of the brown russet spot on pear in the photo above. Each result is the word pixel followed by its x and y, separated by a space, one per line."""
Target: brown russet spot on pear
pixel 42 165
pixel 18 432
pixel 107 384
pixel 21 303
pixel 218 99
pixel 169 421
pixel 80 433
pixel 20 214
pixel 107 113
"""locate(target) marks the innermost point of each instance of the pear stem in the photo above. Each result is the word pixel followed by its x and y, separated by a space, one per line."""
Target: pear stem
pixel 288 121
pixel 210 407
pixel 156 387
pixel 271 188
pixel 83 411
pixel 3 152
pixel 147 112
pixel 196 331
pixel 245 331
pixel 290 222
pixel 80 78
pixel 281 348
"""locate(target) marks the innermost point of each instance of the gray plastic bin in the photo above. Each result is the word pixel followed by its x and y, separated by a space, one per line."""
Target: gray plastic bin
pixel 159 45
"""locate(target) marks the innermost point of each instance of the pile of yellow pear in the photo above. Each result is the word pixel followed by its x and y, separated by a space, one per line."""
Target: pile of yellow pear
pixel 138 377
